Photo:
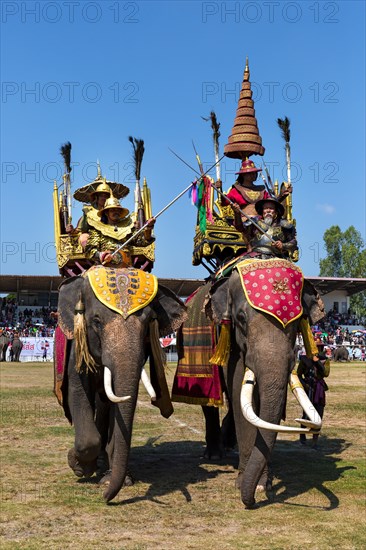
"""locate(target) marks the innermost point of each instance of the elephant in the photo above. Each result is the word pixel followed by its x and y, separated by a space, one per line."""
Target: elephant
pixel 4 343
pixel 105 359
pixel 341 354
pixel 260 366
pixel 16 346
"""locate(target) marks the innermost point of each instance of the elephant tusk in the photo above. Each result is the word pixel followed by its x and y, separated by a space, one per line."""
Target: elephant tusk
pixel 108 388
pixel 249 414
pixel 297 389
pixel 147 384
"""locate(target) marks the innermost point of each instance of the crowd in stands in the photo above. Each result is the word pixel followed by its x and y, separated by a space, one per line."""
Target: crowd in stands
pixel 337 330
pixel 330 333
pixel 26 321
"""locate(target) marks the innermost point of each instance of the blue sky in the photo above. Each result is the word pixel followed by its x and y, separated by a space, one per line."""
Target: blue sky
pixel 94 73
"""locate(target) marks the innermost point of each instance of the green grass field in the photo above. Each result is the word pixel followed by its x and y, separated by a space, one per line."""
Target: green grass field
pixel 179 500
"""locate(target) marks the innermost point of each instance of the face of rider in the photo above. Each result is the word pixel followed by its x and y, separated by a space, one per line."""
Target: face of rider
pixel 248 178
pixel 101 198
pixel 269 212
pixel 113 215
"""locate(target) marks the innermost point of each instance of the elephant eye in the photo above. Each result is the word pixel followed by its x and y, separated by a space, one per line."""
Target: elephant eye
pixel 97 323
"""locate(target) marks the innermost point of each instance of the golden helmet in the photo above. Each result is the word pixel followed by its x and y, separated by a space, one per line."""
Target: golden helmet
pixel 112 202
pixel 102 188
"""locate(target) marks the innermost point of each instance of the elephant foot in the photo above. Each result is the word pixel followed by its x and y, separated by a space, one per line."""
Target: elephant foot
pixel 80 469
pixel 106 479
pixel 251 506
pixel 228 435
pixel 265 483
pixel 213 453
pixel 129 480
pixel 102 464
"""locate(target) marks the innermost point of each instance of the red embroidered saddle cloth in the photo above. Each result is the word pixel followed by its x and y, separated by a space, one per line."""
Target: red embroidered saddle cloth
pixel 273 286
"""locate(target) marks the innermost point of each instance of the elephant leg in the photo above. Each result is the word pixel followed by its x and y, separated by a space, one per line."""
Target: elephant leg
pixel 245 432
pixel 256 472
pixel 102 413
pixel 81 399
pixel 228 429
pixel 214 446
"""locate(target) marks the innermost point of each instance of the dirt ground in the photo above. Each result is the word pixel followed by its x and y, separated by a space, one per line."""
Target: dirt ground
pixel 179 500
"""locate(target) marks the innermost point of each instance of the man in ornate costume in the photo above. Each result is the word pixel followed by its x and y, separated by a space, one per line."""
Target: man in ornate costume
pixel 270 220
pixel 245 194
pixel 97 201
pixel 105 237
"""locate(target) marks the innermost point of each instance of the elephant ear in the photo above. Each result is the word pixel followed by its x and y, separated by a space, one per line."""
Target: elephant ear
pixel 312 303
pixel 217 305
pixel 170 311
pixel 69 293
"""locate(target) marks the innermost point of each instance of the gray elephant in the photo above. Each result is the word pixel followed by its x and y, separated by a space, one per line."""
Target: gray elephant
pixel 107 348
pixel 261 364
pixel 16 347
pixel 4 343
pixel 341 354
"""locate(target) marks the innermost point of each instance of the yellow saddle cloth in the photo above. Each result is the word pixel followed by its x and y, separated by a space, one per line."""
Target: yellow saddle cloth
pixel 273 286
pixel 124 290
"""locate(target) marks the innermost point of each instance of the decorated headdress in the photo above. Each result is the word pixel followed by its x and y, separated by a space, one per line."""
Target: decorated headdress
pixel 85 194
pixel 113 202
pixel 102 188
pixel 244 140
pixel 248 166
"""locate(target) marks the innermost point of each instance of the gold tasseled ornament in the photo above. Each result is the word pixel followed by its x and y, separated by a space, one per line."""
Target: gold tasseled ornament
pixel 222 350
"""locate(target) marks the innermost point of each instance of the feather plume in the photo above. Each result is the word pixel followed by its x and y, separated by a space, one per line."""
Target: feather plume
pixel 65 151
pixel 284 125
pixel 215 127
pixel 138 153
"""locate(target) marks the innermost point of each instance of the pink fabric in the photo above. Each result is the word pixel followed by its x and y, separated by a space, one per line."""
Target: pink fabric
pixel 274 290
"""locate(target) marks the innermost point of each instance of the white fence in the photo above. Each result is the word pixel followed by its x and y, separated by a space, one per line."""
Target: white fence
pixel 34 349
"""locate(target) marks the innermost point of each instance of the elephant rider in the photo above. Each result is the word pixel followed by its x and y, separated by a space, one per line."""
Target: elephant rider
pixel 97 201
pixel 270 212
pixel 105 237
pixel 244 193
pixel 283 233
pixel 311 373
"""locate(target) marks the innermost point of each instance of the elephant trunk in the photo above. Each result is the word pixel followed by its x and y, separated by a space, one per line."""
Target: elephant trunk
pixel 121 429
pixel 271 399
pixel 125 361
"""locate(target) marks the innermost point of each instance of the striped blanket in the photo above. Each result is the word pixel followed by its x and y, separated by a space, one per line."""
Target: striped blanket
pixel 196 381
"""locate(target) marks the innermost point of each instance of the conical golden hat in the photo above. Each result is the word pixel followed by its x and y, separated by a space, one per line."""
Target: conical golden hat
pixel 244 140
pixel 86 193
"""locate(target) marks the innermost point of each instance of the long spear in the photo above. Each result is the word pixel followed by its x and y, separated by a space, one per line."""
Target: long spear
pixel 65 151
pixel 179 196
pixel 165 207
pixel 284 125
pixel 138 153
pixel 224 196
